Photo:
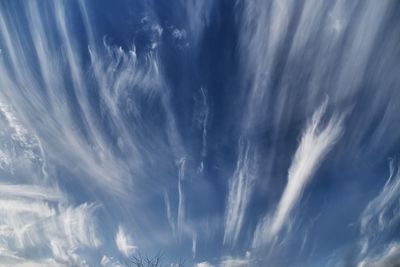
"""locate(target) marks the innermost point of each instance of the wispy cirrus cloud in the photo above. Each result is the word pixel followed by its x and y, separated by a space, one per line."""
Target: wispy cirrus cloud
pixel 124 242
pixel 49 118
pixel 377 216
pixel 316 141
pixel 203 264
pixel 42 226
pixel 377 222
pixel 388 257
pixel 240 189
pixel 229 261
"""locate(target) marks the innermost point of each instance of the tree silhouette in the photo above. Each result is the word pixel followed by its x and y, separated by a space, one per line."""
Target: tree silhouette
pixel 140 260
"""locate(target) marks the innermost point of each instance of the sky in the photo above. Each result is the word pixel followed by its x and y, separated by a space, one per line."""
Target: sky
pixel 224 133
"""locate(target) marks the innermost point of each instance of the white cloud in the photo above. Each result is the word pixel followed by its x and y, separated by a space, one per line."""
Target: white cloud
pixel 179 34
pixel 31 191
pixel 228 261
pixel 124 242
pixel 105 261
pixel 234 262
pixel 36 217
pixel 378 218
pixel 204 264
pixel 199 12
pixel 240 189
pixel 203 123
pixel 180 220
pixel 109 262
pixel 389 257
pixel 194 245
pixel 170 218
pixel 32 222
pixel 78 111
pixel 316 141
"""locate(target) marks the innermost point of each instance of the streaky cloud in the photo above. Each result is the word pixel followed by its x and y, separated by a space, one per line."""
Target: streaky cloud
pixel 379 217
pixel 203 121
pixel 240 189
pixel 389 257
pixel 180 220
pixel 203 264
pixel 34 222
pixel 124 242
pixel 316 141
pixel 229 261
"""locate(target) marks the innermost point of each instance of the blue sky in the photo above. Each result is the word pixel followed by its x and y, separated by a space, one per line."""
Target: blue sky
pixel 221 133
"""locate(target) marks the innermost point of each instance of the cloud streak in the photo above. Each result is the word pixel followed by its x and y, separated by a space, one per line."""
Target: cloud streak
pixel 316 141
pixel 377 222
pixel 377 215
pixel 240 189
pixel 389 257
pixel 40 219
pixel 124 242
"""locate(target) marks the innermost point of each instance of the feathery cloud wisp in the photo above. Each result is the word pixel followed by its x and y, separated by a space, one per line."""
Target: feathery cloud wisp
pixel 124 242
pixel 316 141
pixel 240 189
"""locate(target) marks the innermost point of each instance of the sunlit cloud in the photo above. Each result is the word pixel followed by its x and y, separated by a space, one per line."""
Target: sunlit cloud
pixel 240 190
pixel 315 143
pixel 124 242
